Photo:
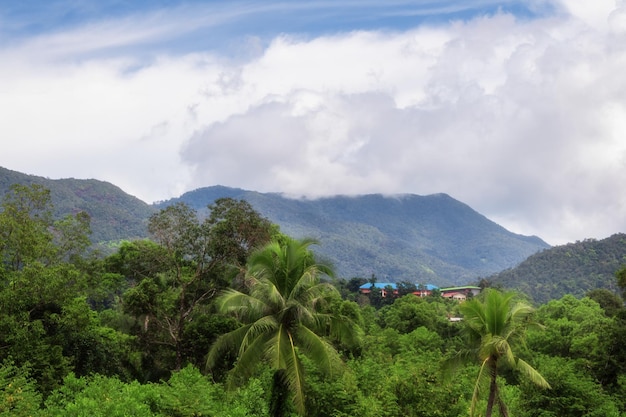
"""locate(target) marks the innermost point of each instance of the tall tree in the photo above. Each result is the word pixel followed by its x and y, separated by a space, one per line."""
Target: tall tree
pixel 25 220
pixel 187 263
pixel 493 325
pixel 45 320
pixel 620 275
pixel 284 314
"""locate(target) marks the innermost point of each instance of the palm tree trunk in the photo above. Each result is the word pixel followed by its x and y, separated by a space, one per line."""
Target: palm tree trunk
pixel 493 386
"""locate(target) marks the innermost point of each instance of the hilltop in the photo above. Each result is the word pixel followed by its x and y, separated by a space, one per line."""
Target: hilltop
pixel 114 214
pixel 434 238
pixel 574 268
pixel 425 239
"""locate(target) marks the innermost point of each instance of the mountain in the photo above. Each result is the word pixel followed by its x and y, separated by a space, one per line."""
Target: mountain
pixel 427 239
pixel 574 269
pixel 114 214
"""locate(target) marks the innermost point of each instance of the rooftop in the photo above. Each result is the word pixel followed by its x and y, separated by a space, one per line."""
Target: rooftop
pixel 393 285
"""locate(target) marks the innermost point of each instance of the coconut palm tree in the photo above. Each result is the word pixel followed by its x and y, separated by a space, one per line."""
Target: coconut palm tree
pixel 284 315
pixel 493 325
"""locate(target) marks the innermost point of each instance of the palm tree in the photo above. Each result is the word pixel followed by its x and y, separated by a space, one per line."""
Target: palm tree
pixel 283 315
pixel 493 326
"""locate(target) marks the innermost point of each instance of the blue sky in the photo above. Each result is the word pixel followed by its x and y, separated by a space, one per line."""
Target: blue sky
pixel 34 17
pixel 515 108
pixel 179 27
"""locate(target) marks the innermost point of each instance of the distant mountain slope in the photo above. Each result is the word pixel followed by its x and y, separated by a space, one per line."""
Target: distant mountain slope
pixel 114 214
pixel 574 268
pixel 434 239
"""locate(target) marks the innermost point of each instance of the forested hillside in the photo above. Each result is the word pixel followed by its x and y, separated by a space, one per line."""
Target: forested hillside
pixel 223 315
pixel 426 239
pixel 114 214
pixel 574 269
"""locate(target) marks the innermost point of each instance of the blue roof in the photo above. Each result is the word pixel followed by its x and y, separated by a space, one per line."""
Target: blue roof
pixel 380 285
pixel 393 285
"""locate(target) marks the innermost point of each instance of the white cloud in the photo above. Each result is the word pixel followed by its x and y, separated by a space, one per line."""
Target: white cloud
pixel 522 120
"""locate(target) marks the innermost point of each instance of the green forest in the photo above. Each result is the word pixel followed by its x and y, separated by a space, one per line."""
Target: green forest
pixel 224 315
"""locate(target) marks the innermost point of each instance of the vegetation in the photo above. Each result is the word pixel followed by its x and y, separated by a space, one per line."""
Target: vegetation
pixel 492 326
pixel 434 239
pixel 129 334
pixel 431 239
pixel 285 315
pixel 114 214
pixel 575 269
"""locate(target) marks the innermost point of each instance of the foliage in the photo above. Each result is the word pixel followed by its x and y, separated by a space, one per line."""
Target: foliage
pixel 573 394
pixel 283 316
pixel 434 239
pixel 574 268
pixel 620 275
pixel 492 327
pixel 411 312
pixel 114 214
pixel 100 396
pixel 73 339
pixel 18 392
pixel 610 302
pixel 46 322
pixel 174 277
pixel 577 329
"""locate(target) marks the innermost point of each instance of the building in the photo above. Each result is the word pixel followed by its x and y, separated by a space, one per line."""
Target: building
pixel 460 293
pixel 453 293
pixel 382 286
pixel 425 290
pixel 422 290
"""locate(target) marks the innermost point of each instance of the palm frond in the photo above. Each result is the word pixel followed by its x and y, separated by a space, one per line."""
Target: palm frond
pixel 473 315
pixel 294 373
pixel 345 330
pixel 480 380
pixel 317 349
pixel 248 359
pixel 224 343
pixel 520 311
pixel 270 293
pixel 505 352
pixel 497 307
pixel 532 374
pixel 299 312
pixel 243 306
pixel 451 364
pixel 275 355
pixel 265 324
pixel 303 281
pixel 318 294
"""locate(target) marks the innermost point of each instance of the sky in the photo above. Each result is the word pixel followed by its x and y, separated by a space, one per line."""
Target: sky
pixel 516 108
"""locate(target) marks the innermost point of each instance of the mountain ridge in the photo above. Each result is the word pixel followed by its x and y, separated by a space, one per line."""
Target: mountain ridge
pixel 405 236
pixel 114 213
pixel 426 239
pixel 573 268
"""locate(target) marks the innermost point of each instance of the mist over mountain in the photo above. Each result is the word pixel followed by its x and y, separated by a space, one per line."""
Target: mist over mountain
pixel 425 239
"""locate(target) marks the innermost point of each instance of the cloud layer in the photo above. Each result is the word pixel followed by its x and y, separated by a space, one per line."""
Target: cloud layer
pixel 522 119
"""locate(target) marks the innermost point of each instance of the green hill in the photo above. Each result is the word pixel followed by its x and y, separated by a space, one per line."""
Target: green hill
pixel 114 214
pixel 426 239
pixel 574 269
pixel 434 239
